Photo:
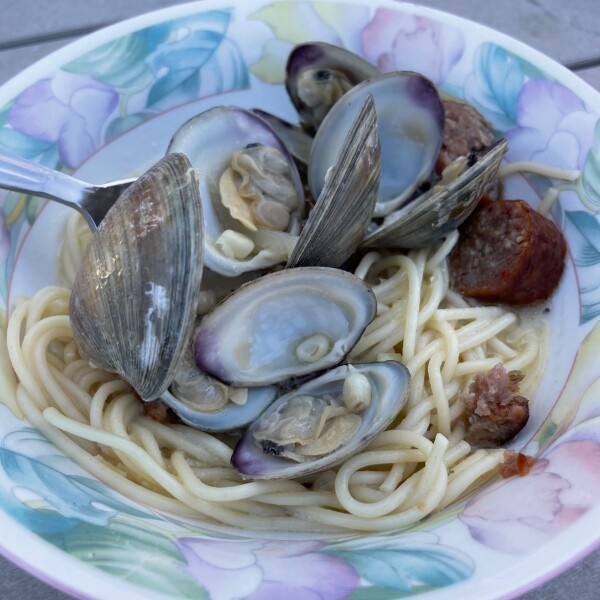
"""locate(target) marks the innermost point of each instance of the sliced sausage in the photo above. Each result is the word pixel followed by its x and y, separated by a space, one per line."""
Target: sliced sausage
pixel 494 410
pixel 507 253
pixel 157 410
pixel 465 131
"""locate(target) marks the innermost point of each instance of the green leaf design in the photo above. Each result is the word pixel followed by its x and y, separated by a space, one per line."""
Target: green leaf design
pixel 32 208
pixel 547 432
pixel 589 229
pixel 288 21
pixel 584 241
pixel 495 84
pixel 590 177
pixel 405 567
pixel 134 554
pixel 271 66
pixel 375 592
pixel 121 63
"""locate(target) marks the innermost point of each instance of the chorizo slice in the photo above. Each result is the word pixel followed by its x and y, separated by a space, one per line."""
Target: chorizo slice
pixel 507 253
pixel 494 410
pixel 465 131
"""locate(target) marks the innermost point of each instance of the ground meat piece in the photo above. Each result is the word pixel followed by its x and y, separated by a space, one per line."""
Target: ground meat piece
pixel 507 252
pixel 515 463
pixel 465 130
pixel 494 410
pixel 160 412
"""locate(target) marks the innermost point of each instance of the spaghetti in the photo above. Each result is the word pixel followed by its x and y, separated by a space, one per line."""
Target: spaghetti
pixel 419 465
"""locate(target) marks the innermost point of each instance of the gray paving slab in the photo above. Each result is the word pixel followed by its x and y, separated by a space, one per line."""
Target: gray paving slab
pixel 592 76
pixel 565 31
pixel 32 18
pixel 13 61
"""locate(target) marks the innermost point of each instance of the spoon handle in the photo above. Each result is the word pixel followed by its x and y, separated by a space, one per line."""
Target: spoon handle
pixel 92 201
pixel 22 175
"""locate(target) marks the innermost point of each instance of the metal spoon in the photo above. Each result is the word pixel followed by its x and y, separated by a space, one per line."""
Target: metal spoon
pixel 92 201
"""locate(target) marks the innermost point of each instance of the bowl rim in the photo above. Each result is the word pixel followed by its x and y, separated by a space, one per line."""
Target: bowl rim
pixel 579 537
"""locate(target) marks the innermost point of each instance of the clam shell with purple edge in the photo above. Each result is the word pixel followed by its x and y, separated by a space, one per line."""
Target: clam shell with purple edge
pixel 390 382
pixel 410 121
pixel 209 140
pixel 322 60
pixel 254 337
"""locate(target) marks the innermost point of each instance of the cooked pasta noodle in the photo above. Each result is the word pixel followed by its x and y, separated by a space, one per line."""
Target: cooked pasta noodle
pixel 419 465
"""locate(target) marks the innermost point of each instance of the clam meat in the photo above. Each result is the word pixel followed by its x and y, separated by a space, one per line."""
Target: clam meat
pixel 251 192
pixel 322 422
pixel 318 75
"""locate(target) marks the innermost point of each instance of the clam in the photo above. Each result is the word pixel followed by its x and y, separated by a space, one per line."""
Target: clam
pixel 442 209
pixel 410 122
pixel 232 416
pixel 340 218
pixel 134 298
pixel 318 75
pixel 208 404
pixel 251 192
pixel 286 324
pixel 322 422
pixel 205 403
pixel 296 140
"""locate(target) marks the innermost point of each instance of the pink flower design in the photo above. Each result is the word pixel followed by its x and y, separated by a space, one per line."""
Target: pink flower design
pixel 521 513
pixel 68 109
pixel 262 570
pixel 397 41
pixel 553 126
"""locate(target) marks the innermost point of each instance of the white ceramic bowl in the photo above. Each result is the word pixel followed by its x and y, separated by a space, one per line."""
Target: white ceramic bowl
pixel 116 97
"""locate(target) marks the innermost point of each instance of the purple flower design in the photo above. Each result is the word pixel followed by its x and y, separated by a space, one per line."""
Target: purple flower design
pixel 68 109
pixel 521 513
pixel 262 570
pixel 553 126
pixel 396 41
pixel 4 240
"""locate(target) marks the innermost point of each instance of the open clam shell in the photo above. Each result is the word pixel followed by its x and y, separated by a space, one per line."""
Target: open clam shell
pixel 337 223
pixel 389 382
pixel 410 122
pixel 283 325
pixel 209 140
pixel 134 298
pixel 441 210
pixel 318 74
pixel 232 416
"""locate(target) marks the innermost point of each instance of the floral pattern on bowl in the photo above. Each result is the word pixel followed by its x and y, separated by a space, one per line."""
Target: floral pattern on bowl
pixel 160 65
